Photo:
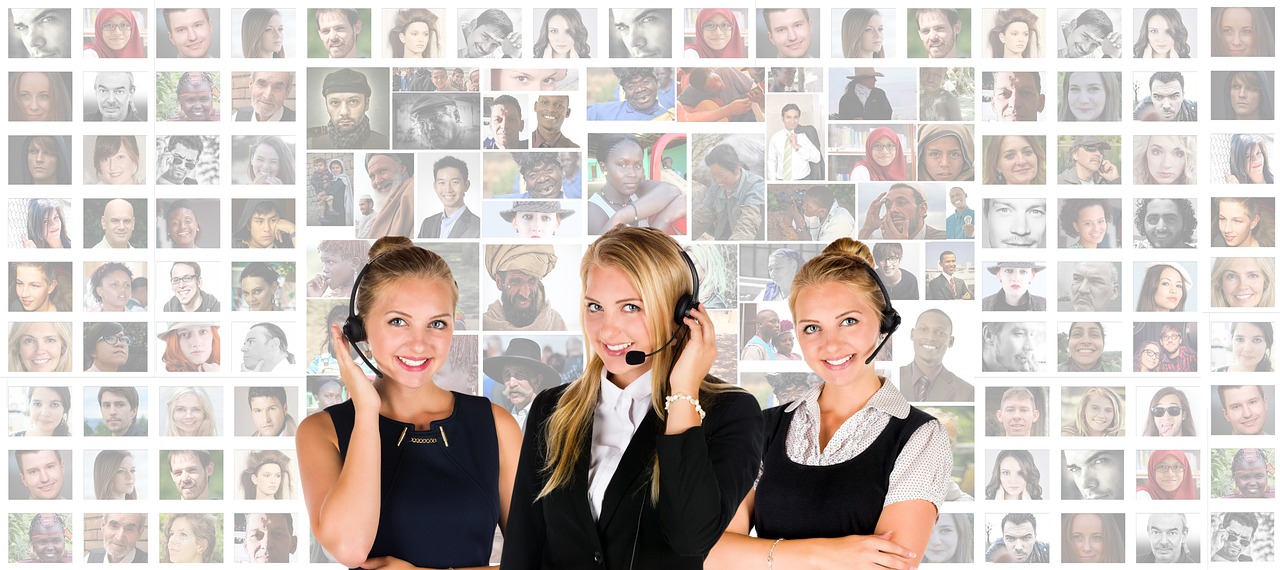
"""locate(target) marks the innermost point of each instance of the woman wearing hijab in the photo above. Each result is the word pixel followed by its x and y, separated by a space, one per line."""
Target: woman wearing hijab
pixel 946 153
pixel 716 35
pixel 884 158
pixel 1169 477
pixel 115 34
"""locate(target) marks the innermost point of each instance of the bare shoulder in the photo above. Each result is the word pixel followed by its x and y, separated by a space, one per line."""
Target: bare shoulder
pixel 315 428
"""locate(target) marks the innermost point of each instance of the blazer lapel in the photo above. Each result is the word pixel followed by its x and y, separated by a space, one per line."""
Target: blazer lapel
pixel 575 495
pixel 632 467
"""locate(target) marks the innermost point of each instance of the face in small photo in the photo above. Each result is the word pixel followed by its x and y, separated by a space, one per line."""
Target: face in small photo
pixel 1243 282
pixel 1233 533
pixel 1014 222
pixel 496 33
pixel 39 286
pixel 414 33
pixel 44 223
pixel 436 121
pixel 187 159
pixel 1016 475
pixel 716 33
pixel 41 475
pixel 1012 286
pixel 1089 223
pixel 1243 346
pixel 1164 33
pixel 1095 538
pixel 874 93
pixel 117 33
pixel 116 411
pixel 1241 159
pixel 1086 348
pixel 520 277
pixel 115 224
pixel 1164 96
pixel 40 159
pixel 263 286
pixel 719 162
pixel 1243 95
pixel 718 93
pixel 40 347
pixel 950 271
pixel 190 96
pixel 640 32
pixel 1164 475
pixel 1093 412
pixel 266 537
pixel 1165 538
pixel 879 152
pixel 795 79
pixel 504 122
pixel 1242 410
pixel 1164 223
pixel 779 388
pixel 264 96
pixel 116 160
pixel 951 540
pixel 1093 474
pixel 1015 537
pixel 451 192
pixel 771 280
pixel 190 411
pixel 902 210
pixel 185 223
pixel 188 33
pixel 267 475
pixel 348 108
pixel 946 94
pixel 115 347
pixel 39 32
pixel 794 127
pixel 527 79
pixel 335 264
pixel 1013 347
pixel 40 538
pixel 338 33
pixel 636 195
pixel 1089 159
pixel 116 537
pixel 325 391
pixel 1164 287
pixel 45 411
pixel 39 96
pixel 1244 32
pixel 1169 413
pixel 194 474
pixel 264 224
pixel 564 33
pixel 1085 286
pixel 264 347
pixel 1090 33
pixel 631 94
pixel 109 286
pixel 789 32
pixel 1014 160
pixel 1089 96
pixel 533 175
pixel 520 368
pixel 190 538
pixel 1246 473
pixel 190 347
pixel 118 475
pixel 861 33
pixel 1173 344
pixel 939 32
pixel 1014 32
pixel 1017 411
pixel 531 219
pixel 263 33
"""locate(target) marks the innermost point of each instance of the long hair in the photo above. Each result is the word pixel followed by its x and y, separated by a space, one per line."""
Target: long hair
pixel 204 526
pixel 52 144
pixel 1029 472
pixel 1264 39
pixel 59 96
pixel 106 146
pixel 1241 146
pixel 651 261
pixel 56 277
pixel 287 175
pixel 37 210
pixel 64 394
pixel 1268 334
pixel 1008 17
pixel 406 17
pixel 991 156
pixel 1188 425
pixel 1110 84
pixel 175 361
pixel 259 458
pixel 1263 232
pixel 851 27
pixel 105 466
pixel 208 426
pixel 132 48
pixel 964 545
pixel 1181 48
pixel 16 332
pixel 1151 282
pixel 714 282
pixel 1266 264
pixel 1112 537
pixel 577 30
pixel 255 21
pixel 1137 357
pixel 1257 80
pixel 1141 171
pixel 1115 428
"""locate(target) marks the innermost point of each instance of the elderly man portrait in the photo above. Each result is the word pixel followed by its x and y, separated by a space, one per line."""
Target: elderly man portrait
pixel 1092 286
pixel 113 91
pixel 269 538
pixel 391 176
pixel 522 375
pixel 119 407
pixel 518 272
pixel 345 96
pixel 120 533
pixel 1167 540
pixel 1088 163
pixel 437 121
pixel 926 378
pixel 268 90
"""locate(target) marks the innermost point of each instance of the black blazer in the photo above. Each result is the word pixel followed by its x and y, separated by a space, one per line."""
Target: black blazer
pixel 467 226
pixel 817 170
pixel 704 475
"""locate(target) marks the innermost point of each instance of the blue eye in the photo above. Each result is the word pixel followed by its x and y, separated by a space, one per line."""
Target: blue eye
pixel 849 321
pixel 593 307
pixel 397 322
pixel 631 308
pixel 810 329
pixel 439 324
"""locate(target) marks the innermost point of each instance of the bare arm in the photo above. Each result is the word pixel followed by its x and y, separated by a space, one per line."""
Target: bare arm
pixel 653 197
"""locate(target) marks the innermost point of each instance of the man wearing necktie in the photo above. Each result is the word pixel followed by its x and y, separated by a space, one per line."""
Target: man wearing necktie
pixel 790 154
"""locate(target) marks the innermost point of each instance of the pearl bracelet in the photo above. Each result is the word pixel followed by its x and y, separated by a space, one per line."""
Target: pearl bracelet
pixel 775 545
pixel 678 396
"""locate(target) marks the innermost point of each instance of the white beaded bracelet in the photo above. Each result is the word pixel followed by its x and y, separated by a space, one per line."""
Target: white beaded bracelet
pixel 678 396
pixel 775 545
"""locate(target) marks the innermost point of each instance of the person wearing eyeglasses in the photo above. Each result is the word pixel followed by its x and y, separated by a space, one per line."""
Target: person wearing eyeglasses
pixel 1088 163
pixel 1233 536
pixel 1175 356
pixel 188 297
pixel 106 347
pixel 1169 477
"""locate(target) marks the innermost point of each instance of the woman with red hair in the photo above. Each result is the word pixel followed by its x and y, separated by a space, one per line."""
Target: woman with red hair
pixel 716 35
pixel 115 34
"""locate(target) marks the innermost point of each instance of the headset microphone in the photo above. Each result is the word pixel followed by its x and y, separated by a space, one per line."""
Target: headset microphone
pixel 889 321
pixel 354 329
pixel 684 305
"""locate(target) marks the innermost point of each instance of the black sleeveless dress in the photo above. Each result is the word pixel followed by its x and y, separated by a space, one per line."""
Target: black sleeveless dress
pixel 439 486
pixel 826 501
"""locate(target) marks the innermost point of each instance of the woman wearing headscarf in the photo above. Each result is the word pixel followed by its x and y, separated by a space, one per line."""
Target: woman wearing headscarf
pixel 115 34
pixel 1169 477
pixel 711 40
pixel 884 158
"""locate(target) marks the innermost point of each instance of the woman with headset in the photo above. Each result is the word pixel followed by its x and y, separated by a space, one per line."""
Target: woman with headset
pixel 405 472
pixel 852 475
pixel 640 461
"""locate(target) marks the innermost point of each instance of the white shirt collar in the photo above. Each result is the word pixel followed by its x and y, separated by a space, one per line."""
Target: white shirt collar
pixel 887 399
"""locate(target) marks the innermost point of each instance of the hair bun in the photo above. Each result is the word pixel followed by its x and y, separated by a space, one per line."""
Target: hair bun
pixel 851 247
pixel 389 243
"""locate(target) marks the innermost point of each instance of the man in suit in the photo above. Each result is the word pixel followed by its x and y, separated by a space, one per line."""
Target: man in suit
pixel 947 286
pixel 267 93
pixel 456 221
pixel 791 154
pixel 926 379
pixel 862 100
pixel 120 534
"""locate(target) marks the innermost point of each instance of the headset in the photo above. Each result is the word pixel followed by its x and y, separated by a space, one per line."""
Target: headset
pixel 353 328
pixel 889 321
pixel 684 305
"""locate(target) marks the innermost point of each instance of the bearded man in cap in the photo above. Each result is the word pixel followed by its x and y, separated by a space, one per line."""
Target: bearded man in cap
pixel 391 175
pixel 1015 287
pixel 1088 165
pixel 435 122
pixel 518 271
pixel 346 95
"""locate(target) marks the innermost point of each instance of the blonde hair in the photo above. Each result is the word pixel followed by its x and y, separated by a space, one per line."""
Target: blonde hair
pixel 1142 174
pixel 1266 264
pixel 846 261
pixel 393 258
pixel 207 426
pixel 1116 427
pixel 16 330
pixel 652 263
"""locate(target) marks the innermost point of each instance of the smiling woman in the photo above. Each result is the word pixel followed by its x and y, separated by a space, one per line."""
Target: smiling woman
pixel 40 347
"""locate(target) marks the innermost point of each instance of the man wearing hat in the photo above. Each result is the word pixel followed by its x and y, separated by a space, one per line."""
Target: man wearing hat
pixel 542 222
pixel 391 176
pixel 435 122
pixel 1015 287
pixel 862 100
pixel 1088 165
pixel 522 375
pixel 452 180
pixel 195 98
pixel 518 271
pixel 346 95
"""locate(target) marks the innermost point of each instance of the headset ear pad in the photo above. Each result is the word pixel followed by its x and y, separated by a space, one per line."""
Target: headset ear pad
pixel 353 329
pixel 684 305
pixel 890 322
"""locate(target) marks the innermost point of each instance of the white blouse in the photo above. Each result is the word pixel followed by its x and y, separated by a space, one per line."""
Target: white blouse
pixel 618 414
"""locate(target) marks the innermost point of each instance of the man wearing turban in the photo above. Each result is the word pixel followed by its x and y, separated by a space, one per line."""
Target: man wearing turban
pixel 518 271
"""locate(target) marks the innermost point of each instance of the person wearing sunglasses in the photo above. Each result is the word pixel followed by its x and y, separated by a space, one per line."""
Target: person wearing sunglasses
pixel 1169 414
pixel 181 155
pixel 1232 537
pixel 1089 163
pixel 106 347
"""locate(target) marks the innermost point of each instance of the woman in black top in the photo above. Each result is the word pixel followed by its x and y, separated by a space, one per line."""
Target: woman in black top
pixel 619 469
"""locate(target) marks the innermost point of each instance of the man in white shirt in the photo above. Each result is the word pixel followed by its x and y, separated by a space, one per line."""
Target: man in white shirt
pixel 789 151
pixel 825 220
pixel 117 225
pixel 365 223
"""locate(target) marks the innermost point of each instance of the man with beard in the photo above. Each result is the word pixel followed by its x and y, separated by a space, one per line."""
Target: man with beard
pixel 364 225
pixel 640 98
pixel 947 285
pixel 119 406
pixel 939 28
pixel 268 91
pixel 1016 223
pixel 391 175
pixel 436 123
pixel 1164 222
pixel 48 536
pixel 1011 347
pixel 1095 286
pixel 346 95
pixel 269 537
pixel 1087 164
pixel 1251 470
pixel 522 375
pixel 550 111
pixel 114 91
pixel 1167 536
pixel 188 297
pixel 506 121
pixel 117 225
pixel 191 470
pixel 518 271
pixel 180 157
pixel 120 534
pixel 1234 533
pixel 1167 101
pixel 265 347
pixel 960 224
pixel 760 346
pixel 1017 542
pixel 452 180
pixel 1175 356
pixel 926 378
pixel 42 473
pixel 195 98
pixel 906 209
pixel 44 32
pixel 339 30
pixel 1093 474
